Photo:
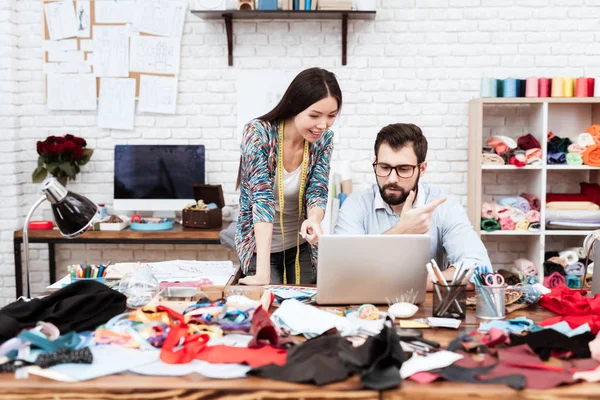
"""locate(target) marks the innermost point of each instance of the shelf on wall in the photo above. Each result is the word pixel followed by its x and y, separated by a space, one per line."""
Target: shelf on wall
pixel 229 15
pixel 492 167
pixel 510 233
pixel 573 167
pixel 567 233
pixel 535 100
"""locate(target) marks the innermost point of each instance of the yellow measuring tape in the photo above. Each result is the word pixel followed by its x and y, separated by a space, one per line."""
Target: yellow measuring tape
pixel 300 198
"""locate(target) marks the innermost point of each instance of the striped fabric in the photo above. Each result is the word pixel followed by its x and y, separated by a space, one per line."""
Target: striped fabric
pixel 259 168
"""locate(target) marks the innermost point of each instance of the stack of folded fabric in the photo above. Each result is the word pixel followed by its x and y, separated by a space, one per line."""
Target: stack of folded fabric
pixel 511 213
pixel 584 149
pixel 564 268
pixel 574 210
pixel 504 150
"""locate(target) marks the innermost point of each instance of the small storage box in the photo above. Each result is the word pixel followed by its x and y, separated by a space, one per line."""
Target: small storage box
pixel 208 219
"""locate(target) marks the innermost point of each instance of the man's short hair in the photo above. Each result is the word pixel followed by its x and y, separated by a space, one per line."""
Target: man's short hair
pixel 399 135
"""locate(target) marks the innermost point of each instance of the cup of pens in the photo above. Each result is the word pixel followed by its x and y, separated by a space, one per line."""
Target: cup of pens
pixel 87 272
pixel 490 292
pixel 449 298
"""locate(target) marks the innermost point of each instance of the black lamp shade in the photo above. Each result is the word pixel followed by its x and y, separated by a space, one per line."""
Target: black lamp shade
pixel 74 214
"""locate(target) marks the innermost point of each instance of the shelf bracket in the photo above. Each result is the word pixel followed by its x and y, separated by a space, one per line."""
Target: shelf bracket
pixel 228 18
pixel 344 37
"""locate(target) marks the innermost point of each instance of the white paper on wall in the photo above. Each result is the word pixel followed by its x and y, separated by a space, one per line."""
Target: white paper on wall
pixel 258 92
pixel 72 68
pixel 65 56
pixel 113 12
pixel 59 45
pixel 83 14
pixel 153 54
pixel 116 108
pixel 158 94
pixel 87 45
pixel 160 17
pixel 111 51
pixel 61 19
pixel 51 68
pixel 71 92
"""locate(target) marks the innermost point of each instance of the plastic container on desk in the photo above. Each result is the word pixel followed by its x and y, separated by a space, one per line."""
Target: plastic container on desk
pixel 101 279
pixel 157 226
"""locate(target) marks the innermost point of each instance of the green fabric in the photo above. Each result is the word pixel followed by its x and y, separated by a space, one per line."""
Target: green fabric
pixel 490 225
pixel 573 282
pixel 563 145
pixel 574 159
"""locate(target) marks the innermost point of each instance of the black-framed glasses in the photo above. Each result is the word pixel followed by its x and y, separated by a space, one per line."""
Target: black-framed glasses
pixel 404 171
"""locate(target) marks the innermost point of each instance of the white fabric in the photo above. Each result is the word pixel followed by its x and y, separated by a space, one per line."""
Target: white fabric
pixel 291 223
pixel 417 363
pixel 585 139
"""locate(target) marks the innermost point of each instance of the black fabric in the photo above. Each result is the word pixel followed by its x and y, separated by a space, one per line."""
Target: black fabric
pixel 80 306
pixel 552 267
pixel 331 358
pixel 549 254
pixel 455 373
pixel 548 340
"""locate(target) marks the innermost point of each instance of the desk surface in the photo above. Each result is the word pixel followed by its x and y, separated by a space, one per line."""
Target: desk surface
pixel 178 232
pixel 197 387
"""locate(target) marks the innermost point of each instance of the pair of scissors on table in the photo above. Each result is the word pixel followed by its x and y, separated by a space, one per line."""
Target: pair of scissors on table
pixel 493 279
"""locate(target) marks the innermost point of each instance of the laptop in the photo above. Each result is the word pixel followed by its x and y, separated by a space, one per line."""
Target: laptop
pixel 357 269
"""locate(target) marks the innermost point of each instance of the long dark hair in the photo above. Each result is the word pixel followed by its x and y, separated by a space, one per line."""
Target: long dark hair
pixel 308 87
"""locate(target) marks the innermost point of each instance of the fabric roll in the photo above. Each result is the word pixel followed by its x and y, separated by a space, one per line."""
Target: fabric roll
pixel 533 154
pixel 572 282
pixel 534 202
pixel 520 155
pixel 576 148
pixel 514 214
pixel 526 267
pixel 574 159
pixel 558 260
pixel 576 269
pixel 532 216
pixel 488 210
pixel 510 142
pixel 487 158
pixel 563 145
pixel 569 256
pixel 572 205
pixel 556 158
pixel 522 225
pixel 579 251
pixel 490 225
pixel 591 156
pixel 527 142
pixel 523 204
pixel 508 201
pixel 575 215
pixel 534 227
pixel 585 139
pixel 554 280
pixel 552 144
pixel 518 162
pixel 501 149
pixel 507 224
pixel 551 267
pixel 594 130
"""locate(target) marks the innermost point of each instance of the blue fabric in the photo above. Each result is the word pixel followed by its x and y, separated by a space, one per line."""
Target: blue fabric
pixel 516 325
pixel 573 282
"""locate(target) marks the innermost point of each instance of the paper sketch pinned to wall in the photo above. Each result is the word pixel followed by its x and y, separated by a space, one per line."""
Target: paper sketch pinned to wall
pixel 160 17
pixel 111 51
pixel 258 92
pixel 59 45
pixel 158 94
pixel 61 19
pixel 116 108
pixel 153 54
pixel 65 56
pixel 83 18
pixel 113 12
pixel 71 92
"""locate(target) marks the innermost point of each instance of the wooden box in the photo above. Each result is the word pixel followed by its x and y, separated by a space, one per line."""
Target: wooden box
pixel 206 219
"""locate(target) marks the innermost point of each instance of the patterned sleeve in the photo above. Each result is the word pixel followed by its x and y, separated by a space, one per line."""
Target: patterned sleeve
pixel 318 187
pixel 255 162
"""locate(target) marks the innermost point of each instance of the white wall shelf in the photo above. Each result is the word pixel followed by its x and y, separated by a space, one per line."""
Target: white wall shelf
pixel 565 117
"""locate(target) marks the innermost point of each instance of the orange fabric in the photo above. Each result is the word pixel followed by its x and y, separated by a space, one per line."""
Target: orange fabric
pixel 591 156
pixel 255 358
pixel 594 130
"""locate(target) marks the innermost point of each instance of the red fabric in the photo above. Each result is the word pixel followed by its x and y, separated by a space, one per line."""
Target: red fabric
pixel 572 307
pixel 550 197
pixel 263 330
pixel 180 347
pixel 591 191
pixel 516 162
pixel 241 355
pixel 527 142
pixel 494 337
pixel 554 280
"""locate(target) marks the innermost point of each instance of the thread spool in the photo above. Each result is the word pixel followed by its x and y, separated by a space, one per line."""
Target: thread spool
pixel 499 87
pixel 568 87
pixel 597 89
pixel 557 87
pixel 509 88
pixel 581 87
pixel 522 87
pixel 486 87
pixel 531 87
pixel 544 87
pixel 590 87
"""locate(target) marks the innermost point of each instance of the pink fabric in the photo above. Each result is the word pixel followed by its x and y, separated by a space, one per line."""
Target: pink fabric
pixel 488 210
pixel 507 224
pixel 532 216
pixel 494 141
pixel 424 377
pixel 526 267
pixel 588 376
pixel 595 348
pixel 555 280
pixel 575 148
pixel 533 154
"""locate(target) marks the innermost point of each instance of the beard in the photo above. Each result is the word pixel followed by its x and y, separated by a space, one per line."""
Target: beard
pixel 395 199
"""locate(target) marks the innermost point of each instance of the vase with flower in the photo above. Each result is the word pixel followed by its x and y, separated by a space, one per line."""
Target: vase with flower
pixel 61 157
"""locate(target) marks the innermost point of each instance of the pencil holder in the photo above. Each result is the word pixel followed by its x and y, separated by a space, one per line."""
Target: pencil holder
pixel 449 301
pixel 490 302
pixel 101 279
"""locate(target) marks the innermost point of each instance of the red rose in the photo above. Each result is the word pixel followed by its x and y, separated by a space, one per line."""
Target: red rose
pixel 70 145
pixel 51 139
pixel 78 151
pixel 38 146
pixel 59 139
pixel 80 141
pixel 59 147
pixel 68 136
pixel 47 148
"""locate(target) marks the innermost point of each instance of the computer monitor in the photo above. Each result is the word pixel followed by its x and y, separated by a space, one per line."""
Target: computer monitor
pixel 156 177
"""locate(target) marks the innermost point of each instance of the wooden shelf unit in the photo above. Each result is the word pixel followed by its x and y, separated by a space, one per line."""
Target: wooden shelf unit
pixel 229 15
pixel 563 116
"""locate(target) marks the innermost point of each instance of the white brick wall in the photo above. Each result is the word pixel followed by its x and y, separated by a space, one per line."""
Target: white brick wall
pixel 420 61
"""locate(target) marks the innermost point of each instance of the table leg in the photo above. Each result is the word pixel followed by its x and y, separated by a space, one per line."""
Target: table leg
pixel 18 268
pixel 52 262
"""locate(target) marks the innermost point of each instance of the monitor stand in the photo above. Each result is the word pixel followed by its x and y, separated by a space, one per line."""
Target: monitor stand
pixel 158 214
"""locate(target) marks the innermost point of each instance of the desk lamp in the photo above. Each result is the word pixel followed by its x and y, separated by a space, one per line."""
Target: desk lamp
pixel 73 215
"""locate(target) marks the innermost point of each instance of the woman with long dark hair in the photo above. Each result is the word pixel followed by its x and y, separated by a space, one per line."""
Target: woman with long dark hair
pixel 283 180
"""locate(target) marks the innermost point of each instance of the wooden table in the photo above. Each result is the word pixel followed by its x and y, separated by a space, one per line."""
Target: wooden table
pixel 191 387
pixel 176 235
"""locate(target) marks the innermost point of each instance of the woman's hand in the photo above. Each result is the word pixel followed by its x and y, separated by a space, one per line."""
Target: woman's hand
pixel 256 280
pixel 311 231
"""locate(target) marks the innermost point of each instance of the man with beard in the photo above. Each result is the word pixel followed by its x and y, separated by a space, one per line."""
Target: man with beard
pixel 400 204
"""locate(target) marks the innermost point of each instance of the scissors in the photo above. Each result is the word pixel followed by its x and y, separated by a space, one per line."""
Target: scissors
pixel 493 279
